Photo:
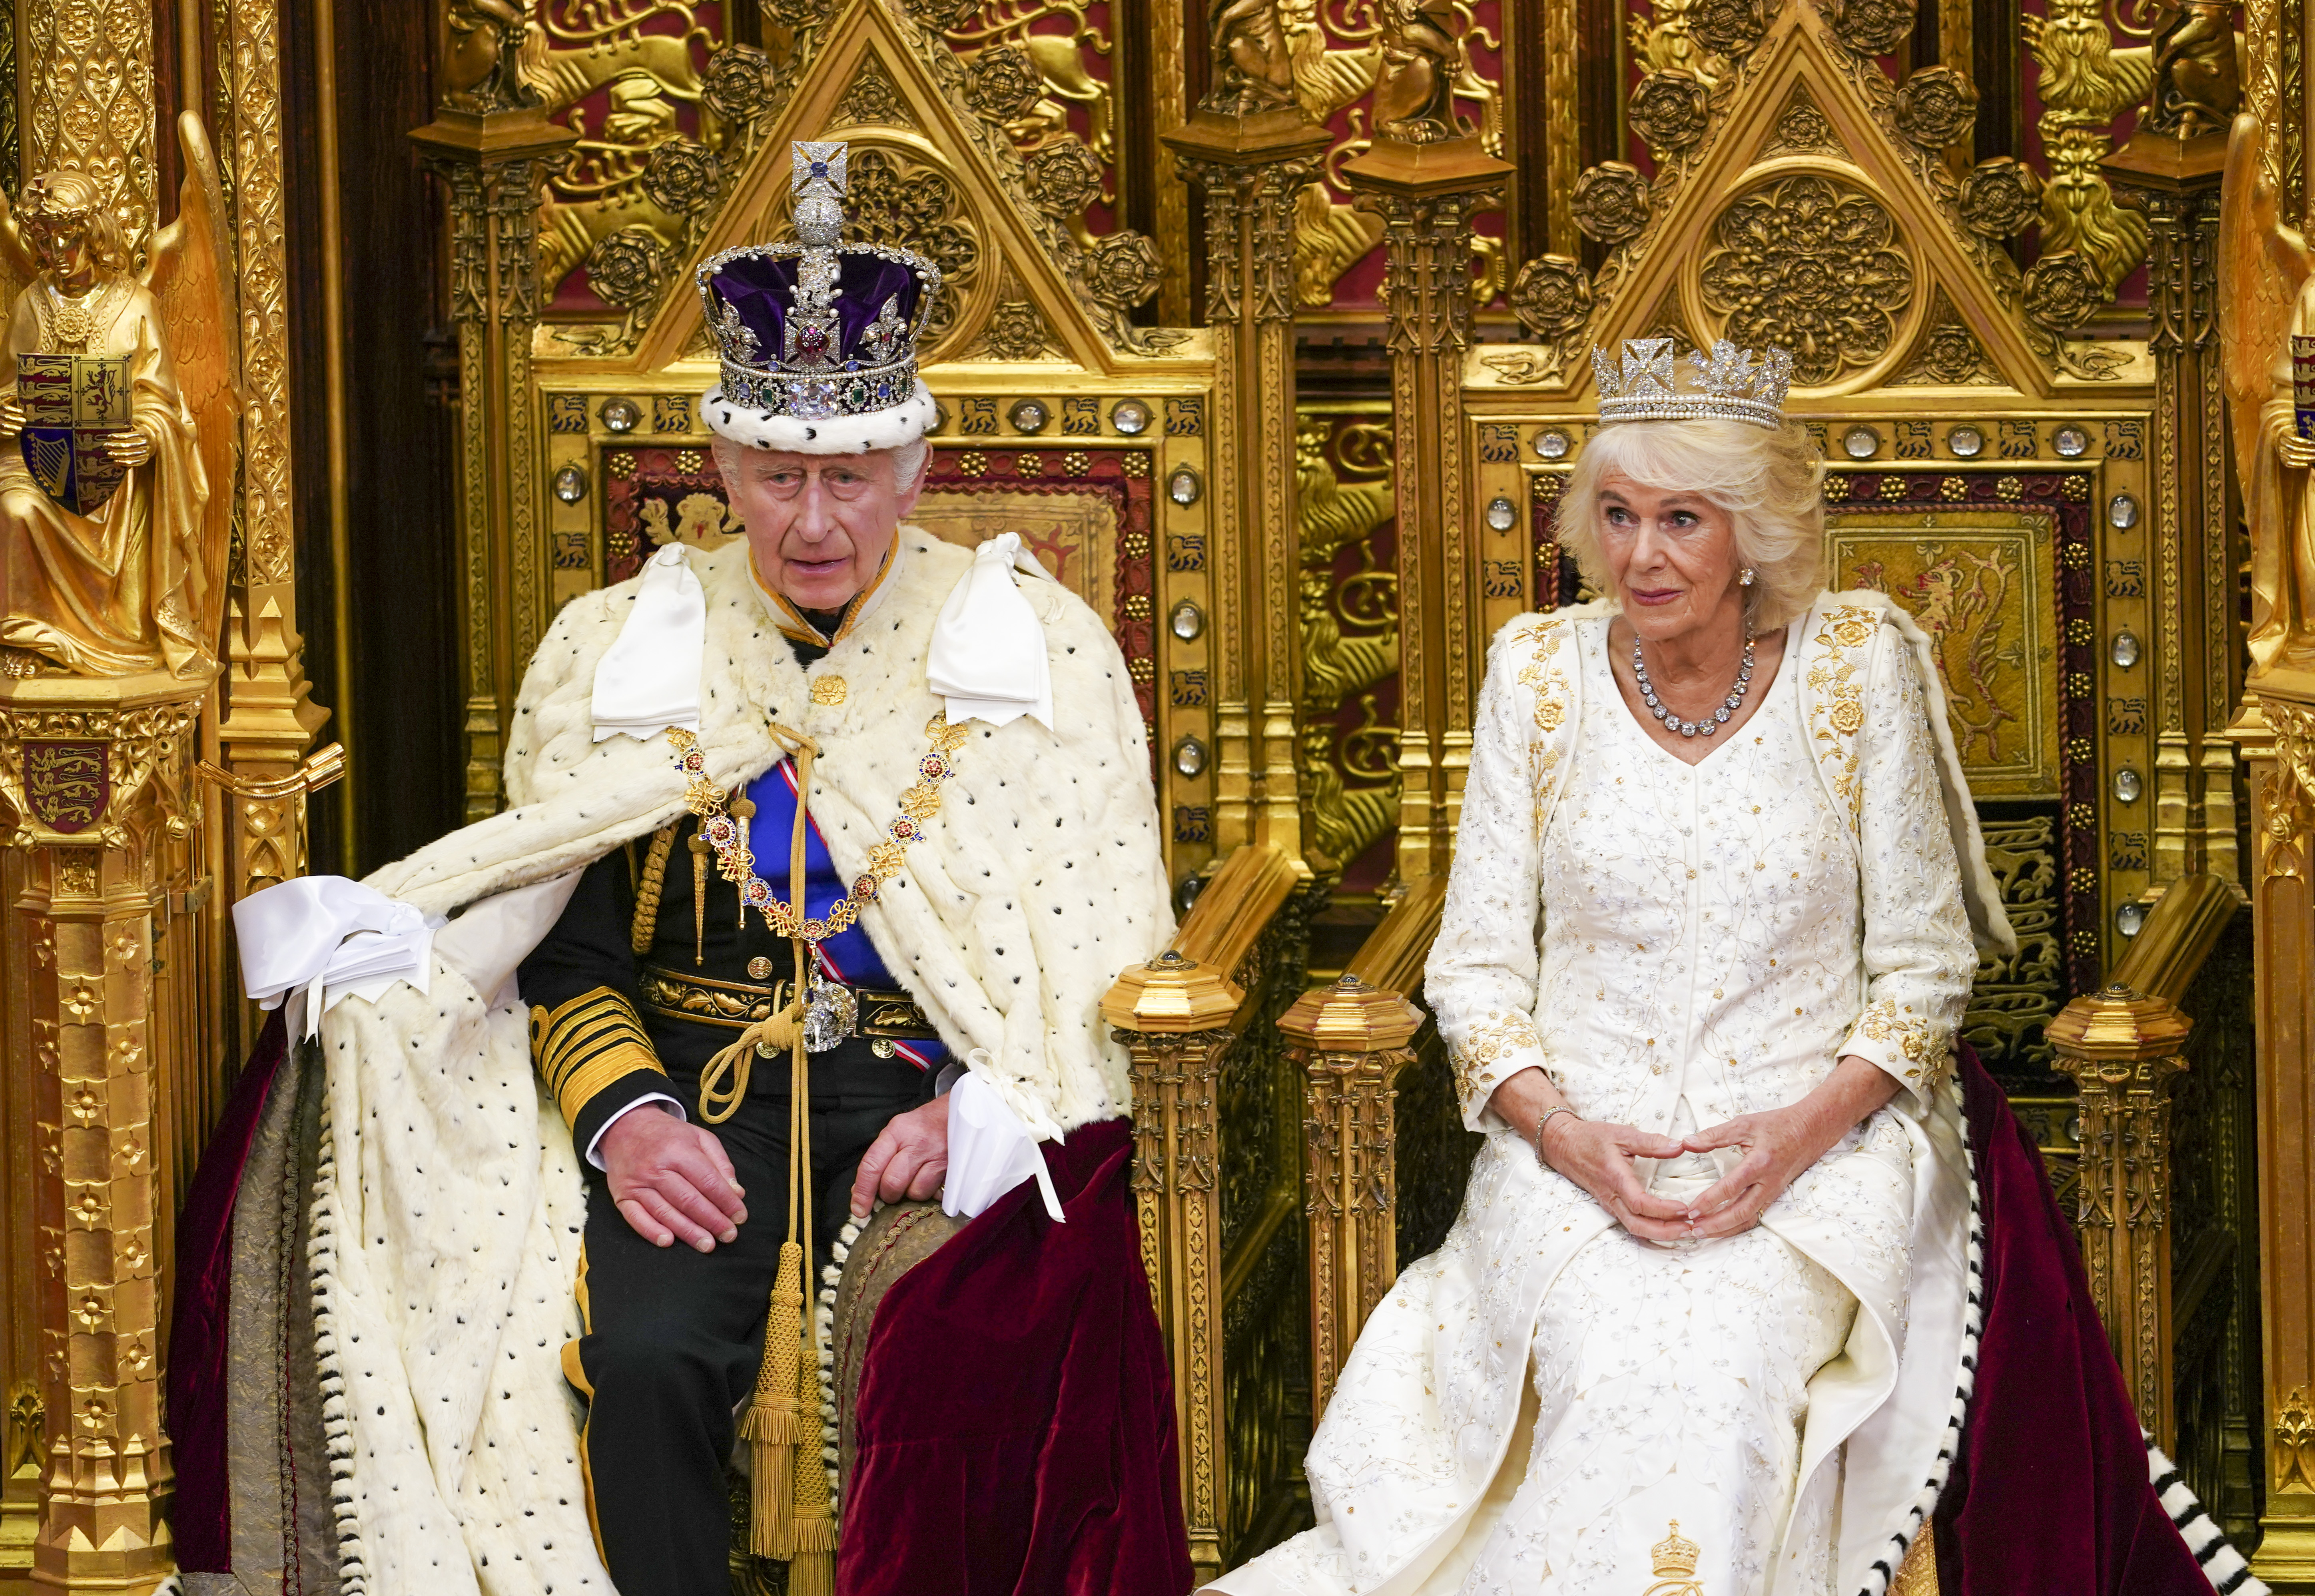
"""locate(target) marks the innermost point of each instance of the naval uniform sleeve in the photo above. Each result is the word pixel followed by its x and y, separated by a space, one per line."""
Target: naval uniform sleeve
pixel 587 1041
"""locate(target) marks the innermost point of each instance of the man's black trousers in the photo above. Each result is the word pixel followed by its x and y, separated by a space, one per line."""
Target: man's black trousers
pixel 673 1336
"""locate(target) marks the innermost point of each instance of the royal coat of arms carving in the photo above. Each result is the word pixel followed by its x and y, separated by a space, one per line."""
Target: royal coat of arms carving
pixel 74 407
pixel 68 785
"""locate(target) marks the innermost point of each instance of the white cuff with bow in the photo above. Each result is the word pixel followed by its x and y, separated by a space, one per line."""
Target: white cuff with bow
pixel 989 1150
pixel 321 939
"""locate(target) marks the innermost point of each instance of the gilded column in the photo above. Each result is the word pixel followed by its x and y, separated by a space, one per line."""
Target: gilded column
pixel 1350 1040
pixel 2277 739
pixel 1168 25
pixel 1249 150
pixel 1427 178
pixel 268 720
pixel 2123 1051
pixel 110 859
pixel 1172 1014
pixel 2175 183
pixel 492 143
pixel 96 773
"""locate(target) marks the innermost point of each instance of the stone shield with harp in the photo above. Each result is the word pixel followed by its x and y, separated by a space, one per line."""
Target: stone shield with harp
pixel 72 404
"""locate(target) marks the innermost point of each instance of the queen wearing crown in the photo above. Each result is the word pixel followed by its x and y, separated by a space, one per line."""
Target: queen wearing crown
pixel 1709 1314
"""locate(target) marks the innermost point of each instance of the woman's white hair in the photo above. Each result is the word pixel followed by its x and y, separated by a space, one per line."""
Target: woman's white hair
pixel 908 460
pixel 1769 482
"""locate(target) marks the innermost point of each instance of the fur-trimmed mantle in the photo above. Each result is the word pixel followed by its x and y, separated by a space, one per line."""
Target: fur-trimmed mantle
pixel 449 1209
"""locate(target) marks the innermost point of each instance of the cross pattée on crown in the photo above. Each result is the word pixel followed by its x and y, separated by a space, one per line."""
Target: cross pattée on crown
pixel 1647 372
pixel 818 162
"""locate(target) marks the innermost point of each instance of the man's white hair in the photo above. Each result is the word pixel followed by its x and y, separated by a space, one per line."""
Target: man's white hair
pixel 909 460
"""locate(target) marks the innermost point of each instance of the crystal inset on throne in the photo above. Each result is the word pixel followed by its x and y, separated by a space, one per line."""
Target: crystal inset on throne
pixel 1729 385
pixel 1675 1555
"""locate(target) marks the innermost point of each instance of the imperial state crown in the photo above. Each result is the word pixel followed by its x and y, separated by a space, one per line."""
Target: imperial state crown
pixel 817 340
pixel 1730 384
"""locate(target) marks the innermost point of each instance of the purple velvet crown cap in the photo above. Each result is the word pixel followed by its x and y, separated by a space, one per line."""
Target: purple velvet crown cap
pixel 762 290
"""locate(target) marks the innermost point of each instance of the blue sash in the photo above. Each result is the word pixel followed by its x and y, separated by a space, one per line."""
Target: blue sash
pixel 849 956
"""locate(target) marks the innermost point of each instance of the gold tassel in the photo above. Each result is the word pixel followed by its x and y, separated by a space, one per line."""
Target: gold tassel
pixel 773 1424
pixel 811 1527
pixel 769 1037
pixel 812 1574
pixel 700 849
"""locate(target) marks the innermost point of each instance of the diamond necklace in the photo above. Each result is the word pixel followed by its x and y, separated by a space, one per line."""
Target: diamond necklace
pixel 1710 724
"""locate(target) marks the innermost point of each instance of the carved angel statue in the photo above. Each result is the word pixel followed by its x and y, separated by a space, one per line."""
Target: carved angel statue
pixel 2265 296
pixel 104 583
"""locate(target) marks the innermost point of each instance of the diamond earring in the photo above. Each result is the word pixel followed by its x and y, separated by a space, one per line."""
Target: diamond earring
pixel 1744 577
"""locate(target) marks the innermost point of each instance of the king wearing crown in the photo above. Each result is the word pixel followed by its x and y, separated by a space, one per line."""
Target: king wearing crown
pixel 821 850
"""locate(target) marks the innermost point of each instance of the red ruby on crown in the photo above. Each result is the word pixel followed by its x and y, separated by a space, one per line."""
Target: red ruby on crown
pixel 812 340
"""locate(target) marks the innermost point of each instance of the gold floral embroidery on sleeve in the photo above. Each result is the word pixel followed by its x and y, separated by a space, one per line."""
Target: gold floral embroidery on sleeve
pixel 1926 1053
pixel 1546 675
pixel 1494 1039
pixel 1836 682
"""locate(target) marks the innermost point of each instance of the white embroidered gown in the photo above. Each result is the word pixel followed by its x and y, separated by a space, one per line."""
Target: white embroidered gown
pixel 1712 939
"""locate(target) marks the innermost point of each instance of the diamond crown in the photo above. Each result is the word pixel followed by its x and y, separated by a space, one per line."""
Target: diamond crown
pixel 830 356
pixel 1675 1555
pixel 1730 384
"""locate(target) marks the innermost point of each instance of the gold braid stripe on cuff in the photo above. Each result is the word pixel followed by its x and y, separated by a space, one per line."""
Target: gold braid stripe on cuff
pixel 586 1044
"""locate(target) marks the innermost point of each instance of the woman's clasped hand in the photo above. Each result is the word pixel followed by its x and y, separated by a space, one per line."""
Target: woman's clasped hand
pixel 1774 1147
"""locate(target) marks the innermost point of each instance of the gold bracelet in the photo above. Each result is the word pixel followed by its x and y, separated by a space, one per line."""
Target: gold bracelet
pixel 1544 1118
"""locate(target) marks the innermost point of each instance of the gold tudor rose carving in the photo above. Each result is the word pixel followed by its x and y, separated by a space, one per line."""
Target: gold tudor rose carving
pixel 1814 265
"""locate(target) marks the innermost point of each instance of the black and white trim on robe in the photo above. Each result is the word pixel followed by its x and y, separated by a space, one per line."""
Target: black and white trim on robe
pixel 2221 1564
pixel 337 1433
pixel 831 1276
pixel 1884 1569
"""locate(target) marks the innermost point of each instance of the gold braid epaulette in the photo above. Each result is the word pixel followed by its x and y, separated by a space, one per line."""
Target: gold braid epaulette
pixel 582 1046
pixel 645 931
pixel 737 863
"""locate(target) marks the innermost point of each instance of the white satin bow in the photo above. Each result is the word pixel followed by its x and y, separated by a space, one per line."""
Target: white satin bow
pixel 990 1151
pixel 988 655
pixel 326 938
pixel 648 679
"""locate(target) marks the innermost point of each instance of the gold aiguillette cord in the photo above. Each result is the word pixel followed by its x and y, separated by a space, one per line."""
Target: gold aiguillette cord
pixel 790 1509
